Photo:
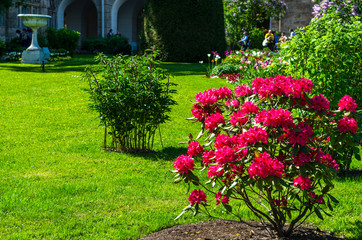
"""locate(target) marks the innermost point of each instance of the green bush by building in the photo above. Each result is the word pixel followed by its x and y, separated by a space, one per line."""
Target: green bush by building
pixel 184 30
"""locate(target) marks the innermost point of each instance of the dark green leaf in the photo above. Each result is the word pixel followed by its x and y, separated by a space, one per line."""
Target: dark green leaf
pixel 228 207
pixel 316 210
pixel 329 205
pixel 333 198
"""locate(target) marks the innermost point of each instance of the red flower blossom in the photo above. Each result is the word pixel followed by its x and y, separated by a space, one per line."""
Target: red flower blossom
pixel 347 124
pixel 254 135
pixel 347 103
pixel 275 118
pixel 194 149
pixel 264 166
pixel 242 90
pixel 319 103
pixel 223 140
pixel 213 120
pixel 207 157
pixel 249 107
pixel 304 182
pixel 199 112
pixel 184 164
pixel 224 200
pixel 301 158
pixel 238 118
pixel 212 171
pixel 225 155
pixel 196 197
pixel 301 137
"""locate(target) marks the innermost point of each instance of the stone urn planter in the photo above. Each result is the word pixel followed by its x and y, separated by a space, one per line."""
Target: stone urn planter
pixel 34 54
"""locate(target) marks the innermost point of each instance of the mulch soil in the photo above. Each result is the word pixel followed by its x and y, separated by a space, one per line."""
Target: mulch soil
pixel 233 230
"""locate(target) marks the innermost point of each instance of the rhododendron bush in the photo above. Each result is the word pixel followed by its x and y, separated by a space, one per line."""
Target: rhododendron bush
pixel 270 146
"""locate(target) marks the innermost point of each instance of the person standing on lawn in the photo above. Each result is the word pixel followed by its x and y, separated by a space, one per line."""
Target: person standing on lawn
pixel 270 39
pixel 244 42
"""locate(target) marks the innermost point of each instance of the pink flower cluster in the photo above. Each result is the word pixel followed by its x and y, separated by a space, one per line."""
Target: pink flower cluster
pixel 224 200
pixel 211 96
pixel 194 149
pixel 281 86
pixel 205 102
pixel 225 155
pixel 197 196
pixel 242 90
pixel 347 124
pixel 212 121
pixel 275 118
pixel 200 112
pixel 304 182
pixel 207 157
pixel 254 135
pixel 238 117
pixel 326 159
pixel 301 137
pixel 228 149
pixel 319 103
pixel 184 164
pixel 212 171
pixel 234 103
pixel 249 108
pixel 347 103
pixel 264 166
pixel 301 158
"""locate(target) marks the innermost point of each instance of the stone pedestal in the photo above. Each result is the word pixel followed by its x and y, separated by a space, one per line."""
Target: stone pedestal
pixel 33 57
pixel 34 54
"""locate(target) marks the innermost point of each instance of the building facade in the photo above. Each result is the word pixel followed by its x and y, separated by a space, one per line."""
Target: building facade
pixel 299 14
pixel 96 17
pixel 89 17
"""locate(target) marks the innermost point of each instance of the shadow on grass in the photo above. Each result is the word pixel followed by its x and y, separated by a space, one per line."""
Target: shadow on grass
pixel 76 64
pixel 48 69
pixel 183 69
pixel 355 229
pixel 166 154
pixel 353 174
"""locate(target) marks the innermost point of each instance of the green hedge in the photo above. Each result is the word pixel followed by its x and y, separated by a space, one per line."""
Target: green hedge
pixel 114 45
pixel 63 38
pixel 184 30
pixel 2 47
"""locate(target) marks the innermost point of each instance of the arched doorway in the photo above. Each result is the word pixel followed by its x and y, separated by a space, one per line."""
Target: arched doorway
pixel 78 15
pixel 125 18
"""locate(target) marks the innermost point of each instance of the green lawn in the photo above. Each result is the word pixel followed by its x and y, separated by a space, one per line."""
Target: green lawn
pixel 57 183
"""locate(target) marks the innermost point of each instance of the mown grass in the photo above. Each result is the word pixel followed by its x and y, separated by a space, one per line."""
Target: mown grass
pixel 57 183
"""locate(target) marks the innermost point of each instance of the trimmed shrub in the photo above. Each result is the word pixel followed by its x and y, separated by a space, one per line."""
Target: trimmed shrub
pixel 132 96
pixel 14 45
pixel 94 44
pixel 114 45
pixel 184 31
pixel 225 69
pixel 63 38
pixel 2 47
